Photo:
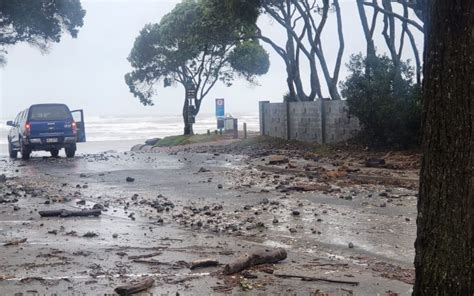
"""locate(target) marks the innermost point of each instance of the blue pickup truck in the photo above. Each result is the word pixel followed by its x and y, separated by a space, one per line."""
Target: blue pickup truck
pixel 46 127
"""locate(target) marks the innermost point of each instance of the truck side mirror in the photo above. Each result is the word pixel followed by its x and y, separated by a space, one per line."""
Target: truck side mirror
pixel 10 123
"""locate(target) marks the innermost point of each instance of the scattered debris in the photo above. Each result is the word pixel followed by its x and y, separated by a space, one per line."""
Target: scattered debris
pixel 130 179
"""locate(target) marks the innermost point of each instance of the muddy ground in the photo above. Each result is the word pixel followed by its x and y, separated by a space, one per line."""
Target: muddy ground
pixel 338 216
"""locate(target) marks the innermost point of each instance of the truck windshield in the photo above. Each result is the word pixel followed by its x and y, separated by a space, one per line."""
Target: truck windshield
pixel 51 112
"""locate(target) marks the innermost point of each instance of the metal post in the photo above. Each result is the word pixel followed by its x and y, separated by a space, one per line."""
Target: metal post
pixel 262 116
pixel 245 130
pixel 236 128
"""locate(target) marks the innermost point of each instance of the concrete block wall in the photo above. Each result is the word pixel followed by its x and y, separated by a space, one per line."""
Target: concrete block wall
pixel 305 121
pixel 321 121
pixel 340 126
pixel 273 117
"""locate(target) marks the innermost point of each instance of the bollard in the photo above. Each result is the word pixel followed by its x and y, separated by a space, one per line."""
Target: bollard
pixel 208 132
pixel 245 130
pixel 236 128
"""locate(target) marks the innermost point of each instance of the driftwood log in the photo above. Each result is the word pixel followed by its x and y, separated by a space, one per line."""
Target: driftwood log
pixel 256 258
pixel 15 242
pixel 203 263
pixel 316 279
pixel 66 213
pixel 135 288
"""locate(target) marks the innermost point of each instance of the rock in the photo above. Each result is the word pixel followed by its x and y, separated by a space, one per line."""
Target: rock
pixel 114 235
pixel 295 213
pixel 3 178
pixel 383 205
pixel 293 230
pixel 351 245
pixel 383 194
pixel 275 221
pixel 203 170
pixel 220 186
pixel 82 176
pixel 98 206
pixel 278 159
pixel 81 202
pixel 130 179
pixel 375 163
pixel 90 234
pixel 16 208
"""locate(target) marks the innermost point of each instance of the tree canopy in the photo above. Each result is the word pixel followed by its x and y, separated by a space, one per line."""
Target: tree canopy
pixel 191 47
pixel 305 21
pixel 38 22
pixel 385 101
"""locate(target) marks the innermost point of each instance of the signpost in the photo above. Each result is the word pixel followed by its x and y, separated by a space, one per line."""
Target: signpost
pixel 191 98
pixel 220 113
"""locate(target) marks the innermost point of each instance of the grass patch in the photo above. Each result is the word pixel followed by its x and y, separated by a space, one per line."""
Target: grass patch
pixel 185 140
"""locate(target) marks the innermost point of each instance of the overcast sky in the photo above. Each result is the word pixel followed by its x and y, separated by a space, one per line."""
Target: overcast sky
pixel 87 72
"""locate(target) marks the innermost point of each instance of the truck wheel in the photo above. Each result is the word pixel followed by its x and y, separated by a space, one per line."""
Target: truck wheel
pixel 25 151
pixel 13 153
pixel 70 151
pixel 54 152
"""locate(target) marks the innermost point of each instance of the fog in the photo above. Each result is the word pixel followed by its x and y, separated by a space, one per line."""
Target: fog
pixel 88 72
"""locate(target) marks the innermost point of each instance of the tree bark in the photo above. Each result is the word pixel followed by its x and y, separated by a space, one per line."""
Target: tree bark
pixel 444 259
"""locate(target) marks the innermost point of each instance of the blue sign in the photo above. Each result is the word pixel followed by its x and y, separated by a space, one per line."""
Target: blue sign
pixel 220 110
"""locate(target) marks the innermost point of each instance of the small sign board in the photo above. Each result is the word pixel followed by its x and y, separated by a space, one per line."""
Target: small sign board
pixel 220 123
pixel 220 109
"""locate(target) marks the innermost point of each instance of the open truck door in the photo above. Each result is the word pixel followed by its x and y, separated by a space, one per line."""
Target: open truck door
pixel 78 116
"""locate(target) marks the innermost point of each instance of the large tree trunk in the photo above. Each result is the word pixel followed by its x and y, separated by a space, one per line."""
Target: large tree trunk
pixel 445 243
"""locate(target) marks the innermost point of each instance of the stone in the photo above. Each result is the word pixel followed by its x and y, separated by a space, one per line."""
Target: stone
pixel 98 206
pixel 278 159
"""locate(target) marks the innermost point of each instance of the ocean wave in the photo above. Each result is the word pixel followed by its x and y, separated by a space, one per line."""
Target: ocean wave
pixel 121 128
